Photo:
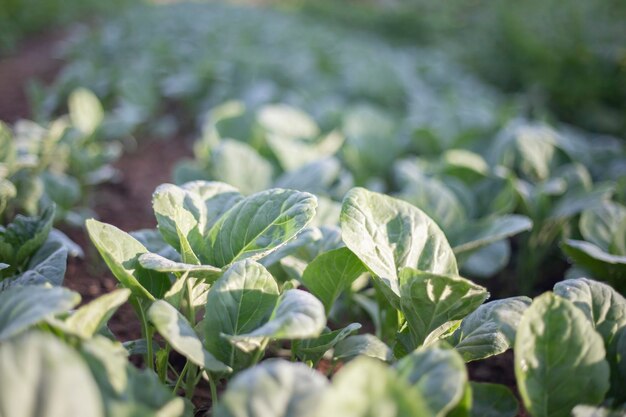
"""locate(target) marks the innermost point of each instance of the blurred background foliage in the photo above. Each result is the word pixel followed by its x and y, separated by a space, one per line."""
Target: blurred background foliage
pixel 568 58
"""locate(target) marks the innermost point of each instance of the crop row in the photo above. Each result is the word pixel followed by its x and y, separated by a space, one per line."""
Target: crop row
pixel 297 247
pixel 221 282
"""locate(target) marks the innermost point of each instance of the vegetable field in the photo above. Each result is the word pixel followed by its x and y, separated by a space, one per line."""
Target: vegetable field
pixel 290 210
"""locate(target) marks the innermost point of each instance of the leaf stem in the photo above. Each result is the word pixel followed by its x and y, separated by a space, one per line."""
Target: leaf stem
pixel 213 391
pixel 181 376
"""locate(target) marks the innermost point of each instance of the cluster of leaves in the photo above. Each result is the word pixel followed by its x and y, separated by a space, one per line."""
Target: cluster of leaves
pixel 137 65
pixel 602 253
pixel 527 175
pixel 570 63
pixel 219 282
pixel 482 175
pixel 33 253
pixel 56 164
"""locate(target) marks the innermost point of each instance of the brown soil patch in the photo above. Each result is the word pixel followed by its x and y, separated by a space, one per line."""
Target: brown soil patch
pixel 126 205
pixel 36 58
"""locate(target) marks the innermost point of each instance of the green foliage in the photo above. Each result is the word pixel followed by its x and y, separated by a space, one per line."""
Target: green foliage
pixel 56 163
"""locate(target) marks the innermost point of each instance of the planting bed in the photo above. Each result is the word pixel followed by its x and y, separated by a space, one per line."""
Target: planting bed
pixel 203 235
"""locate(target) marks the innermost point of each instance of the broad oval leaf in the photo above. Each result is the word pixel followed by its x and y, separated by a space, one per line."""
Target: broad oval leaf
pixel 367 387
pixel 287 121
pixel 175 328
pixel 240 165
pixel 298 315
pixel 85 110
pixel 559 358
pixel 490 230
pixel 218 198
pixel 22 307
pixel 490 329
pixel 239 302
pixel 487 261
pixel 606 310
pixel 258 225
pixel 314 348
pixel 121 253
pixel 438 374
pixel 604 226
pixel 362 345
pixel 179 214
pixel 43 377
pixel 600 264
pixel 275 388
pixel 434 304
pixel 316 177
pixel 436 200
pixel 91 317
pixel 388 234
pixel 330 273
pixel 155 262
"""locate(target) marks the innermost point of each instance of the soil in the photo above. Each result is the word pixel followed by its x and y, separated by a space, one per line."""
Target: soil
pixel 127 204
pixel 36 58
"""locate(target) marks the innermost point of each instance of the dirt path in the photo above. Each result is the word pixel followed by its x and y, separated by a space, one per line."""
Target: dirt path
pixel 36 59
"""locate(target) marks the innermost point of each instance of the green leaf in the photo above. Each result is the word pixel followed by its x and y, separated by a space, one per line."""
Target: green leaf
pixel 275 388
pixel 579 200
pixel 90 318
pixel 490 230
pixel 258 225
pixel 434 304
pixel 436 200
pixel 438 374
pixel 313 349
pixel 217 197
pixel 601 264
pixel 287 121
pixel 330 273
pixel 121 253
pixel 298 315
pixel 43 377
pixel 46 266
pixel 606 310
pixel 493 400
pixel 85 110
pixel 604 227
pixel 21 238
pixel 239 165
pixel 486 261
pixel 239 302
pixel 127 390
pixel 22 307
pixel 362 345
pixel 529 147
pixel 180 215
pixel 316 177
pixel 156 262
pixel 7 193
pixel 388 234
pixel 367 387
pixel 490 329
pixel 293 154
pixel 559 358
pixel 175 328
pixel 154 243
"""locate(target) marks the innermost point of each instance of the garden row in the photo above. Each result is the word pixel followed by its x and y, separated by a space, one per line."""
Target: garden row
pixel 269 247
